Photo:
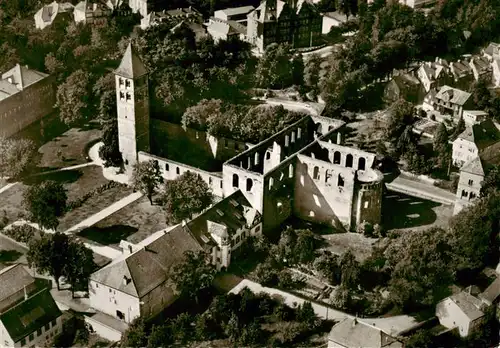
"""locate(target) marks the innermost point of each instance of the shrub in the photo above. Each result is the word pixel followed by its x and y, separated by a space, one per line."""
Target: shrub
pixel 433 117
pixel 378 231
pixel 95 192
pixel 4 220
pixel 22 234
pixel 365 228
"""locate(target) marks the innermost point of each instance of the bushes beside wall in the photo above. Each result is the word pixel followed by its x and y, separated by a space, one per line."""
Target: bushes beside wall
pixel 95 192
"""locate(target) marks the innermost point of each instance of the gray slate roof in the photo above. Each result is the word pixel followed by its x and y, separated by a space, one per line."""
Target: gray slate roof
pixel 150 266
pixel 354 333
pixel 131 65
pixel 468 304
pixel 13 279
pixel 453 95
pixel 30 315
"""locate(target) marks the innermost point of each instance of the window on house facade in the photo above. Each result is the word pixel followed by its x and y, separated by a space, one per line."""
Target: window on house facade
pixel 39 332
pixel 128 96
pixel 122 96
pixel 166 167
pixel 127 83
pixel 316 173
pixel 120 81
pixel 47 327
pixel 471 182
pixel 177 170
pixel 31 337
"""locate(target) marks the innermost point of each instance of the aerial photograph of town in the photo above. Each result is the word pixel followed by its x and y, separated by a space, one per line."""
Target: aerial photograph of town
pixel 250 173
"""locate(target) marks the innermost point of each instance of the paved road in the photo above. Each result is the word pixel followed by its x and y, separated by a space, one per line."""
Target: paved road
pixel 422 190
pixel 293 105
pixel 391 325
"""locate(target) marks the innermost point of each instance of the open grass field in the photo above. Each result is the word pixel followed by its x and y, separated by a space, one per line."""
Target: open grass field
pixel 359 245
pixel 92 206
pixel 134 223
pixel 68 149
pixel 11 203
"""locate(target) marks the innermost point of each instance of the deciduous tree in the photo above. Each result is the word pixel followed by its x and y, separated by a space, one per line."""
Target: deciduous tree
pixel 110 151
pixel 135 335
pixel 147 177
pixel 73 97
pixel 185 196
pixel 49 254
pixel 350 270
pixel 46 202
pixel 193 274
pixel 15 156
pixel 79 266
pixel 196 116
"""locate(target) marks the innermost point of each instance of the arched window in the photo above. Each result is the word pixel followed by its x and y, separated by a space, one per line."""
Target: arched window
pixel 330 128
pixel 316 173
pixel 290 171
pixel 249 184
pixel 340 181
pixel 361 163
pixel 464 194
pixel 166 167
pixel 256 158
pixel 348 161
pixel 236 181
pixel 271 182
pixel 337 157
pixel 328 175
pixel 268 155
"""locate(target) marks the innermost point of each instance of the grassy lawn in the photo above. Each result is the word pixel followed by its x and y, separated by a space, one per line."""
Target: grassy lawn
pixel 134 223
pixel 11 253
pixel 92 206
pixel 69 148
pixel 360 246
pixel 11 202
pixel 413 213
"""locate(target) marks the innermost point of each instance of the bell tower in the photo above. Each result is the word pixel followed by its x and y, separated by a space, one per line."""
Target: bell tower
pixel 132 102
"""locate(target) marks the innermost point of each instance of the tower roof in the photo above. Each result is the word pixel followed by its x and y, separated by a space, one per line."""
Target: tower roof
pixel 131 65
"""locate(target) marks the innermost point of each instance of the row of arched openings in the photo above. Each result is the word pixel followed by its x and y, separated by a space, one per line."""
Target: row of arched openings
pixel 337 159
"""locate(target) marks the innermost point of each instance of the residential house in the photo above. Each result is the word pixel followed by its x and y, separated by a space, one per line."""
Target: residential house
pixel 47 15
pixel 138 283
pixel 481 68
pixel 223 30
pixel 332 19
pixel 472 117
pixel 462 73
pixel 417 3
pixel 26 95
pixel 462 311
pixel 473 140
pixel 354 333
pixel 95 13
pixel 187 14
pixel 449 101
pixel 404 86
pixel 492 51
pixel 237 14
pixel 28 314
pixel 33 322
pixel 297 23
pixel 434 75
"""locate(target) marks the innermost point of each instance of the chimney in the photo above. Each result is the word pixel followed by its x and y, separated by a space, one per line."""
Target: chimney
pixel 25 293
pixel 130 248
pixel 125 280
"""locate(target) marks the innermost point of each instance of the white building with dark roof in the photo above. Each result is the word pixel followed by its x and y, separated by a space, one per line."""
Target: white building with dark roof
pixel 354 333
pixel 45 16
pixel 138 284
pixel 462 311
pixel 449 101
pixel 29 316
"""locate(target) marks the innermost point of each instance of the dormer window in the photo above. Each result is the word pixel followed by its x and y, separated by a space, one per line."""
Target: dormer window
pixel 233 202
pixel 238 215
pixel 220 212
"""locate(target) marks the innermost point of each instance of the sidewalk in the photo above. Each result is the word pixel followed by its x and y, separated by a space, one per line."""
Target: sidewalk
pixel 421 190
pixel 8 186
pixel 105 212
